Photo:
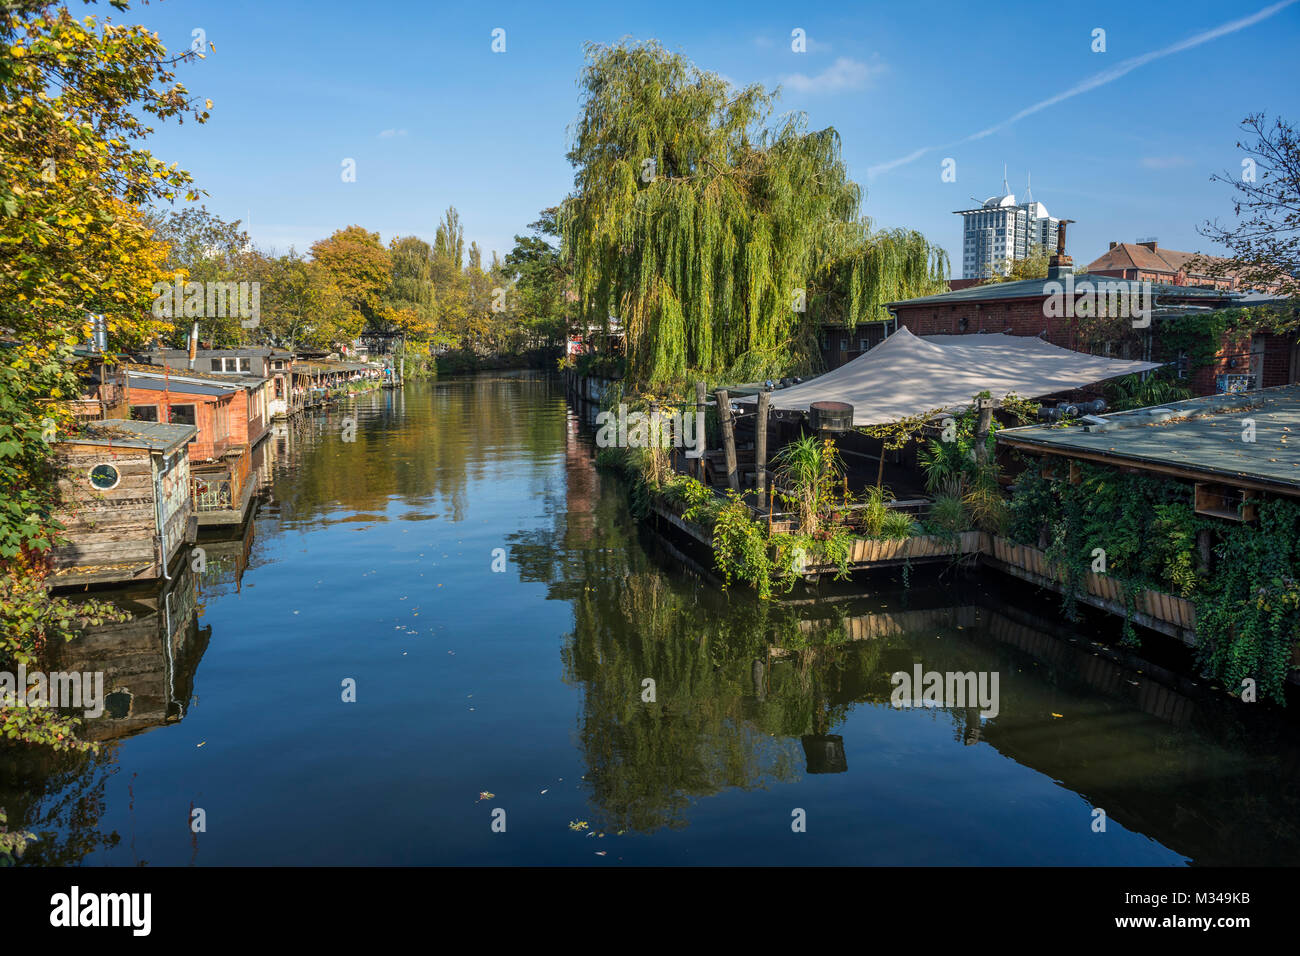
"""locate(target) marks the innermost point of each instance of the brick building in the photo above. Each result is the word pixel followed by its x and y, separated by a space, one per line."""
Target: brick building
pixel 1146 261
pixel 1023 308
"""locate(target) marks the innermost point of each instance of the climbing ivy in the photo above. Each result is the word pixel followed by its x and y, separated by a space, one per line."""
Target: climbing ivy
pixel 1247 605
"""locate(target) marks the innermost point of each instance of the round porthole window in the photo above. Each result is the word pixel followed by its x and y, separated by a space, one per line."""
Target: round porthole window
pixel 104 477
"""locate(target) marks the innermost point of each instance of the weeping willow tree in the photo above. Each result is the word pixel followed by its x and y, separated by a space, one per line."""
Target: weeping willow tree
pixel 720 242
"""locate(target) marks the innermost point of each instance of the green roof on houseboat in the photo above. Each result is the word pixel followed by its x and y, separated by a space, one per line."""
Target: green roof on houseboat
pixel 1207 435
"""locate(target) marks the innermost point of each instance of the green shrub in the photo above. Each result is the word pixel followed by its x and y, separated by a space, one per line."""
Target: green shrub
pixel 948 515
pixel 897 525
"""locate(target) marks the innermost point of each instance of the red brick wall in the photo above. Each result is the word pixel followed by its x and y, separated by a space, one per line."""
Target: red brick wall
pixel 209 442
pixel 1025 317
pixel 1014 316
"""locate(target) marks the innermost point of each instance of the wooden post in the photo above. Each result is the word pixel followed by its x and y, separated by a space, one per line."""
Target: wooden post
pixel 1205 549
pixel 982 426
pixel 760 448
pixel 728 438
pixel 700 393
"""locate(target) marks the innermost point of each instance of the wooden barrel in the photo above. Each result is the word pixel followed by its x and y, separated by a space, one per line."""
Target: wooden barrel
pixel 830 416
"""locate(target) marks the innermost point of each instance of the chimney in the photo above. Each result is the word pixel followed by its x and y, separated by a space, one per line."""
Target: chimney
pixel 1150 245
pixel 1060 265
pixel 194 345
pixel 99 333
pixel 1112 246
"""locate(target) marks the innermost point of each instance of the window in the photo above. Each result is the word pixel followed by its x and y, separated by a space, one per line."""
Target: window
pixel 232 364
pixel 104 477
pixel 144 413
pixel 181 415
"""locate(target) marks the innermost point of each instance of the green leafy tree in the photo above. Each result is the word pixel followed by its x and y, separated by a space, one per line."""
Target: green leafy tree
pixel 541 283
pixel 203 247
pixel 358 269
pixel 299 307
pixel 707 232
pixel 76 96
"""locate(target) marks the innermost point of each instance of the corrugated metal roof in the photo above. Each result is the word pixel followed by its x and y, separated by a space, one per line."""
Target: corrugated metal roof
pixel 1199 434
pixel 149 383
pixel 232 379
pixel 155 436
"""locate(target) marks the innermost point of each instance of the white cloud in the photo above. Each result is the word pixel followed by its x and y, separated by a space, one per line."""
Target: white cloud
pixel 843 74
pixel 390 133
pixel 1165 162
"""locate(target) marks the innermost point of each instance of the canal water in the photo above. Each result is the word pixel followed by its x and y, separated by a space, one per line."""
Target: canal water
pixel 499 612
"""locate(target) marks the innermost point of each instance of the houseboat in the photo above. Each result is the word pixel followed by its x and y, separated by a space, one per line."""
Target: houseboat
pixel 101 386
pixel 229 414
pixel 125 505
pixel 273 365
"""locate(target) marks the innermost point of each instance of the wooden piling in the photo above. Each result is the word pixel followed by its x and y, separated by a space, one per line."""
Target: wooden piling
pixel 728 438
pixel 701 391
pixel 760 448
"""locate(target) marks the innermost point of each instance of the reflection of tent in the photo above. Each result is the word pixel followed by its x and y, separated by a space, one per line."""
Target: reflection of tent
pixel 906 375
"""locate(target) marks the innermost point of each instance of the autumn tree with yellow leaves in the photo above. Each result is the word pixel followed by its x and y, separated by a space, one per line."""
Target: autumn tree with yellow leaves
pixel 76 97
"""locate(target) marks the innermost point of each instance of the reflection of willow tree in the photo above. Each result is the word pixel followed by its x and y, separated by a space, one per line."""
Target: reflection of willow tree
pixel 737 683
pixel 431 439
pixel 58 796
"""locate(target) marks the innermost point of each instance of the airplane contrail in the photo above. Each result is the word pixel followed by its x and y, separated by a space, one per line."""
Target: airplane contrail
pixel 1094 81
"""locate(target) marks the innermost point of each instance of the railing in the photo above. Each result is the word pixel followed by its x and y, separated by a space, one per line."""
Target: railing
pixel 221 490
pixel 212 493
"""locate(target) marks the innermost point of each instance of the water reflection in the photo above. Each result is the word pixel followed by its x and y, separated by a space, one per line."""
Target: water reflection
pixel 149 662
pixel 513 680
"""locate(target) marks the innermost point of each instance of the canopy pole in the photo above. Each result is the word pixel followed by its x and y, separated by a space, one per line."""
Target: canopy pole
pixel 982 426
pixel 700 393
pixel 728 438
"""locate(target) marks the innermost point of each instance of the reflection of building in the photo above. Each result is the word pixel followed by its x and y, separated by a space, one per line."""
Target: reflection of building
pixel 224 562
pixel 581 484
pixel 148 662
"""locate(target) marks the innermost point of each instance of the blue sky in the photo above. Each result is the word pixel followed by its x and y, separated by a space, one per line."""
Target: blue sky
pixel 432 117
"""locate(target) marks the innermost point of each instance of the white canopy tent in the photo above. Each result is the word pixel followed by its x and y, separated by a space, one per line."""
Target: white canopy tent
pixel 906 375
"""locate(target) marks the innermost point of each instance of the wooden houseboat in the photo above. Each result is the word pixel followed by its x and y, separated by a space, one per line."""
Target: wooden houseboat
pixel 102 388
pixel 273 365
pixel 125 502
